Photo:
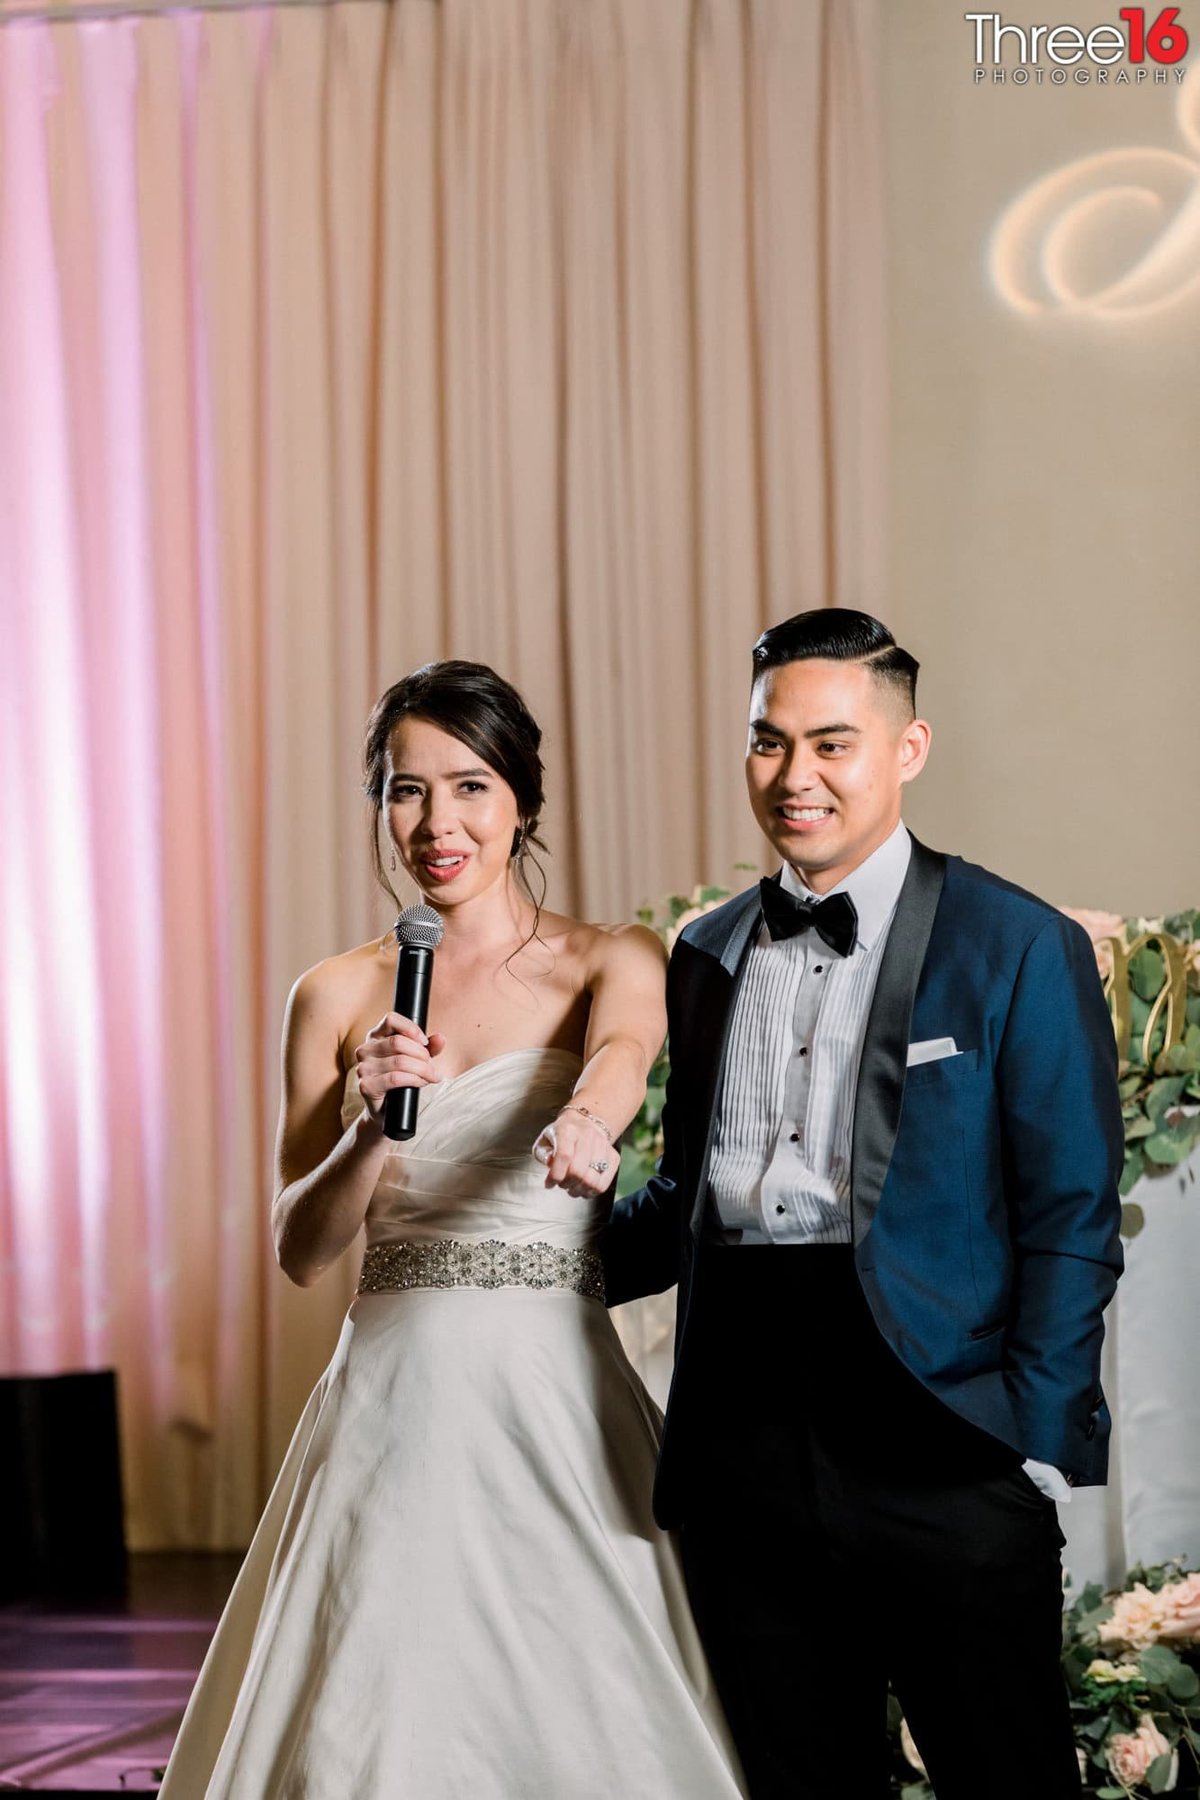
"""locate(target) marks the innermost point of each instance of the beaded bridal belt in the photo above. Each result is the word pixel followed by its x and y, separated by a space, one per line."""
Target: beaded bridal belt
pixel 448 1263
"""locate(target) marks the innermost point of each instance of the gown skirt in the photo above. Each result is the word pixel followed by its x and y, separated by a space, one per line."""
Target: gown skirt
pixel 457 1590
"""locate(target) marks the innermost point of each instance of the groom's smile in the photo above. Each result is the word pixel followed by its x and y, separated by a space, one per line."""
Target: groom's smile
pixel 803 819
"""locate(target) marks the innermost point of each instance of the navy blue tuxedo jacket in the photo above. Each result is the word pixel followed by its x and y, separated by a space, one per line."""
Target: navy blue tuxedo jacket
pixel 984 1202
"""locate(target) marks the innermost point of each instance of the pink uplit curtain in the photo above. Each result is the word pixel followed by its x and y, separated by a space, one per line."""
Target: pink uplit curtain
pixel 331 340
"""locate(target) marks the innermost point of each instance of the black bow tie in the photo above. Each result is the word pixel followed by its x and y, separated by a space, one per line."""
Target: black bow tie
pixel 834 919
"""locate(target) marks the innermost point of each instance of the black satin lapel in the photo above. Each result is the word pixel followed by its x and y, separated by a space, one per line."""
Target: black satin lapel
pixel 713 1031
pixel 885 1047
pixel 745 928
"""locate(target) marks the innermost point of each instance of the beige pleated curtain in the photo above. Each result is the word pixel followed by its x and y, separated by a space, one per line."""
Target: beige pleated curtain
pixel 548 332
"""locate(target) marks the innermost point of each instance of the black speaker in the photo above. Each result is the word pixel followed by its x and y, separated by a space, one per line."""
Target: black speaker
pixel 62 1532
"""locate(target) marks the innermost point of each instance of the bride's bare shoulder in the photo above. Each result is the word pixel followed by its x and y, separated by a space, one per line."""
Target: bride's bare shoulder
pixel 336 989
pixel 597 948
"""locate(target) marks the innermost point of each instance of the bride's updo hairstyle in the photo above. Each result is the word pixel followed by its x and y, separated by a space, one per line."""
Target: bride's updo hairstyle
pixel 471 702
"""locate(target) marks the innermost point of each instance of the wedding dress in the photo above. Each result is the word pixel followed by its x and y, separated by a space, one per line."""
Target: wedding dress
pixel 457 1590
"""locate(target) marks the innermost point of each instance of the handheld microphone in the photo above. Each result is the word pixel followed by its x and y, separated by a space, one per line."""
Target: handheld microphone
pixel 418 933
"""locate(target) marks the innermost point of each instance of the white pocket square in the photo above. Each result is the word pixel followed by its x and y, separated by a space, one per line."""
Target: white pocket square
pixel 931 1050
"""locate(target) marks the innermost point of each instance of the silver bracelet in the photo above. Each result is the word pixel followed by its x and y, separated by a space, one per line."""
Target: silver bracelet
pixel 585 1112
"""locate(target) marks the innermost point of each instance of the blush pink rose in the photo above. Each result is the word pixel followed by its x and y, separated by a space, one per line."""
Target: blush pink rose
pixel 1097 924
pixel 1137 1618
pixel 1130 1753
pixel 1181 1605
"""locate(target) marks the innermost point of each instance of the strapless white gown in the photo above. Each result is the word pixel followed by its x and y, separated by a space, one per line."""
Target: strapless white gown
pixel 457 1590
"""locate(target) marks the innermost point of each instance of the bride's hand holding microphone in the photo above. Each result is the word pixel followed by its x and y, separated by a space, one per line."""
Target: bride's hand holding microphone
pixel 396 1053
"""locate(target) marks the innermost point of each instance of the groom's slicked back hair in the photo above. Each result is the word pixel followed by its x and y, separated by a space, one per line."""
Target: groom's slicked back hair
pixel 838 634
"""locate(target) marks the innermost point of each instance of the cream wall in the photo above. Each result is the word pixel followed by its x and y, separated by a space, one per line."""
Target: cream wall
pixel 1046 488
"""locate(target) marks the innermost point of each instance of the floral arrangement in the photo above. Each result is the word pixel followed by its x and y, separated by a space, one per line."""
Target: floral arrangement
pixel 1151 974
pixel 1150 969
pixel 1132 1666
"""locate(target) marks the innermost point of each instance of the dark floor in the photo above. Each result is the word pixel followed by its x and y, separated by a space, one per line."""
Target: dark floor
pixel 91 1696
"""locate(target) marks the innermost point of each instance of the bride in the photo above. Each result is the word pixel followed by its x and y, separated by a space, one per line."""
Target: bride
pixel 457 1590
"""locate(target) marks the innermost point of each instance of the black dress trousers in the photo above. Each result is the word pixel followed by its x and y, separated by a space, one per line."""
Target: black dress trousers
pixel 843 1528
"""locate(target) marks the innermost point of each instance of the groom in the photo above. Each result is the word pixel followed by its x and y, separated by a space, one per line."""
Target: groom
pixel 888 1193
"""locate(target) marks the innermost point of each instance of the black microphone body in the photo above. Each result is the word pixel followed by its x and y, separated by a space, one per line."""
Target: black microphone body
pixel 414 971
pixel 418 933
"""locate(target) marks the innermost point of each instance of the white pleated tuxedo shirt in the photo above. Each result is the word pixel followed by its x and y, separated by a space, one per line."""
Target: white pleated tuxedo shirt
pixel 780 1169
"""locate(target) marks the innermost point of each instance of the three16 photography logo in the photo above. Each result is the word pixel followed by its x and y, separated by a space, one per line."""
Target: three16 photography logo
pixel 1145 46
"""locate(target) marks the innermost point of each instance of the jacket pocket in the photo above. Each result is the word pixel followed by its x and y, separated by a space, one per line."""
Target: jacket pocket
pixel 942 1069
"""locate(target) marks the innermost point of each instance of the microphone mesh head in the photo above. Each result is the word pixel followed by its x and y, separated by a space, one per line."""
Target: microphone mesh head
pixel 419 926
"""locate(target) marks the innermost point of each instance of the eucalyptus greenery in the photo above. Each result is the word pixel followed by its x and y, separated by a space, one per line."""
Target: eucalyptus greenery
pixel 1159 1093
